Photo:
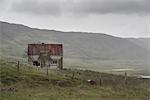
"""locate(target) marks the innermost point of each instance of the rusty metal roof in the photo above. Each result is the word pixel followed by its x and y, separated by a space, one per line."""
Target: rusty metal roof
pixel 53 49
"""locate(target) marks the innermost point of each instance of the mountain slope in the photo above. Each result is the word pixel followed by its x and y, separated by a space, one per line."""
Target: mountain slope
pixel 142 42
pixel 15 37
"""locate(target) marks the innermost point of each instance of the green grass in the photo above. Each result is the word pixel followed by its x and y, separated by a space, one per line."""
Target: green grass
pixel 33 84
pixel 138 67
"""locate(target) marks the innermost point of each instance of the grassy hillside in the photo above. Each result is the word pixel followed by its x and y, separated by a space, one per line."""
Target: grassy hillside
pixel 15 37
pixel 33 84
pixel 98 52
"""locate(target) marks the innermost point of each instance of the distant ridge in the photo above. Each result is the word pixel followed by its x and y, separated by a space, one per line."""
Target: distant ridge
pixel 56 30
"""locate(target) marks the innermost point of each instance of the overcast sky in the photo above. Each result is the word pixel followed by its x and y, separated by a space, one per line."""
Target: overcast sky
pixel 123 18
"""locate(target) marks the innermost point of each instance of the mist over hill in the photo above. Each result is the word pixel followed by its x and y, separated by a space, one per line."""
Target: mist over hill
pixel 15 37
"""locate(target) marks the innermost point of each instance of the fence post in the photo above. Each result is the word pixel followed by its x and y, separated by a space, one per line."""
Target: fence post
pixel 18 66
pixel 100 81
pixel 125 78
pixel 72 77
pixel 47 71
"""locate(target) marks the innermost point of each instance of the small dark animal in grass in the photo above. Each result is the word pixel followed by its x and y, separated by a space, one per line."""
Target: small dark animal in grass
pixel 91 82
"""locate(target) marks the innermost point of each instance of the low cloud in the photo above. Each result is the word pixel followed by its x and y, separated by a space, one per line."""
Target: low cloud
pixel 37 7
pixel 87 7
pixel 112 6
pixel 2 3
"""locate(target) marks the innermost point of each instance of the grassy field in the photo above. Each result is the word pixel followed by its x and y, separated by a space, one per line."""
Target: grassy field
pixel 133 67
pixel 68 84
